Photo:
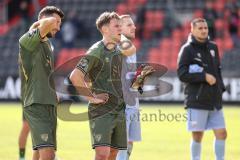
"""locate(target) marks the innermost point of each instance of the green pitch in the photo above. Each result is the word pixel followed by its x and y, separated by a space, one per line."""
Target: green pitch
pixel 163 132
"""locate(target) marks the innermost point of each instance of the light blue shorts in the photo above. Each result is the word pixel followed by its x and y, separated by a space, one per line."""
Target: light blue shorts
pixel 201 120
pixel 133 124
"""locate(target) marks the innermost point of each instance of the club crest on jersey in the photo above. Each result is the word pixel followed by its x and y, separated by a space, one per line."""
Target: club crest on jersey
pixel 98 137
pixel 83 63
pixel 212 53
pixel 44 137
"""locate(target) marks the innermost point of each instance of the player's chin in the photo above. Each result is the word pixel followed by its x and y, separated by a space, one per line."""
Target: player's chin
pixel 118 38
pixel 132 36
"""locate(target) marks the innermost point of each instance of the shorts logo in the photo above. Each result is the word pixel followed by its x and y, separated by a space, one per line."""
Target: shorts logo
pixel 98 137
pixel 193 123
pixel 44 137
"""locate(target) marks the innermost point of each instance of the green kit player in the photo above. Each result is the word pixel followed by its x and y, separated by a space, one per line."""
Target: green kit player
pixel 39 97
pixel 98 77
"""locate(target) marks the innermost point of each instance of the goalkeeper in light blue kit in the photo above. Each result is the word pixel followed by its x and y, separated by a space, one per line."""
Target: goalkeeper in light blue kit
pixel 130 98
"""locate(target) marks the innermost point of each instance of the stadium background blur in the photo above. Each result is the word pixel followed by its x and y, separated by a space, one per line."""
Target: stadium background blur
pixel 162 27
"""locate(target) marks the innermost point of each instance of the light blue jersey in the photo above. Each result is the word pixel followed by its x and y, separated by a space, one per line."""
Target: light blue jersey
pixel 128 72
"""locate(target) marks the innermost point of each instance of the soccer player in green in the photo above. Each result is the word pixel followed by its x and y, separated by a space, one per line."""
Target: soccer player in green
pixel 98 77
pixel 39 97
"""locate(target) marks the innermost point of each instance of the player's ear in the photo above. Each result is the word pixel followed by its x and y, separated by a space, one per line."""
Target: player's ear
pixel 104 28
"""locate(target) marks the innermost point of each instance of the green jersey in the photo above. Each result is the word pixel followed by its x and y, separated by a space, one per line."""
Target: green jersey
pixel 103 68
pixel 36 65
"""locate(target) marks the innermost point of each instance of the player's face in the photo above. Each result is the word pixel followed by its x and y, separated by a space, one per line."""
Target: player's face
pixel 114 30
pixel 200 31
pixel 128 27
pixel 56 27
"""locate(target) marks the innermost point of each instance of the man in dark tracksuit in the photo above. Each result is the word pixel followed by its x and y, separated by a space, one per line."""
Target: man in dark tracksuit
pixel 199 68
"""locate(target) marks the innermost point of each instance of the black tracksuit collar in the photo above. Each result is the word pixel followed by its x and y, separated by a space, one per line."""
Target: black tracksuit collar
pixel 192 39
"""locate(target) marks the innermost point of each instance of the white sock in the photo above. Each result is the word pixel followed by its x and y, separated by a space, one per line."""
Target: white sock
pixel 195 150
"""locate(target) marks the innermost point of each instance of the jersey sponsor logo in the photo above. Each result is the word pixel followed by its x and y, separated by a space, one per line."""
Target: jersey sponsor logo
pixel 44 137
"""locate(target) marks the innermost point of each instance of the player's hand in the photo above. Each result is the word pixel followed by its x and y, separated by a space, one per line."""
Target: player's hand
pixel 101 98
pixel 142 72
pixel 211 80
pixel 34 25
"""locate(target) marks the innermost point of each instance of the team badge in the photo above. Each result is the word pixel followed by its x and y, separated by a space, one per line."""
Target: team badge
pixel 44 137
pixel 83 63
pixel 212 53
pixel 193 123
pixel 98 137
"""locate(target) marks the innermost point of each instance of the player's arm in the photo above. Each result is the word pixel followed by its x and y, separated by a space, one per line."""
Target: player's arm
pixel 220 71
pixel 127 47
pixel 44 25
pixel 37 31
pixel 184 62
pixel 77 78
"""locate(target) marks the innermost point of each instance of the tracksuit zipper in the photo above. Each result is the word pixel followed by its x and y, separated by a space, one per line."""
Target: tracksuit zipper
pixel 199 91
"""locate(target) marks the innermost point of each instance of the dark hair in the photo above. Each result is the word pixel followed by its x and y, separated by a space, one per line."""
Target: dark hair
pixel 105 18
pixel 197 20
pixel 49 10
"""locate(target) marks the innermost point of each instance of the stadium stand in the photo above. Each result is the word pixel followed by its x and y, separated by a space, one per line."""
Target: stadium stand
pixel 162 27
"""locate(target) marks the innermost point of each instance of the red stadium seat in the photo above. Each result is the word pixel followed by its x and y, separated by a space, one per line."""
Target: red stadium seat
pixel 228 43
pixel 67 54
pixel 137 43
pixel 154 55
pixel 121 8
pixel 177 34
pixel 220 45
pixel 198 13
pixel 219 6
pixel 219 24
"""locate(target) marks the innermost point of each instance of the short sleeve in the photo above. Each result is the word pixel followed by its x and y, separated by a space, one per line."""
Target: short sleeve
pixel 87 63
pixel 30 39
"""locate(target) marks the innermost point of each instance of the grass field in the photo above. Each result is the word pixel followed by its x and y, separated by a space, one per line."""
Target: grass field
pixel 162 139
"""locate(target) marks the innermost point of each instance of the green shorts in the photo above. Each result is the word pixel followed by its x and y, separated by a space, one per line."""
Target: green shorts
pixel 42 120
pixel 23 117
pixel 109 130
